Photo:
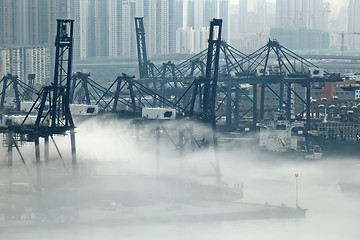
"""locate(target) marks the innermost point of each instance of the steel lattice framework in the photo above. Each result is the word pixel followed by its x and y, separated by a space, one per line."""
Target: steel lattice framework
pixel 21 90
pixel 51 107
pixel 212 84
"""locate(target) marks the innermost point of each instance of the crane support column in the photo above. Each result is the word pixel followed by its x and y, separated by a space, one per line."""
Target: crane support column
pixel 117 93
pixel 212 71
pixel 16 91
pixel 73 147
pixel 37 161
pixel 141 47
pixel 63 70
pixel 193 98
pixel 10 148
pixel 37 150
pixel 262 101
pixel 228 106
pixel 281 98
pixel 255 106
pixel 308 113
pixel 46 149
pixel 237 109
pixel 288 105
pixel 132 95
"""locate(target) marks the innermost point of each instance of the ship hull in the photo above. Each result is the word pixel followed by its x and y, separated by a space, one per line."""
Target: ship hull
pixel 336 148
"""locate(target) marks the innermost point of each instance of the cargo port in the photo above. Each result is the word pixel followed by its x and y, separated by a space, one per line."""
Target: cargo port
pixel 200 109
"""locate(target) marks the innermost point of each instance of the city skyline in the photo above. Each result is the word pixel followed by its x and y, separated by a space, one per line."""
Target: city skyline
pixel 106 28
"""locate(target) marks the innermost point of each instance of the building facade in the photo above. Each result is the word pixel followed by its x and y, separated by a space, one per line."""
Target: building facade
pixel 353 24
pixel 191 41
pixel 107 29
pixel 242 19
pixel 25 60
pixel 312 14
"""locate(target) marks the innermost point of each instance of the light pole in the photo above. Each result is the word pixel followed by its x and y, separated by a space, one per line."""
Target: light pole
pixel 297 184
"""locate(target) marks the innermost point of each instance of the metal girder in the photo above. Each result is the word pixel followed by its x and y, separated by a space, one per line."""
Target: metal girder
pixel 30 89
pixel 110 96
pixel 170 70
pixel 21 91
pixel 52 102
pixel 52 105
pixel 132 94
pixel 79 92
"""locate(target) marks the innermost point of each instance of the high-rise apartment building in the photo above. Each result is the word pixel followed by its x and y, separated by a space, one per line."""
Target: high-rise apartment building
pixel 90 28
pixel 24 60
pixel 210 11
pixel 4 62
pixel 128 41
pixel 242 19
pixel 312 14
pixel 9 22
pixel 29 22
pixel 223 13
pixel 302 24
pixel 165 31
pixel 201 12
pixel 190 41
pixel 179 16
pixel 98 30
pixel 353 24
pixel 37 61
pixel 114 24
pixel 107 28
pixel 195 14
pixel 150 24
pixel 81 12
pixel 261 13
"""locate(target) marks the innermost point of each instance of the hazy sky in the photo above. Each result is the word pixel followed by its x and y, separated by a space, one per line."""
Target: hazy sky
pixel 335 4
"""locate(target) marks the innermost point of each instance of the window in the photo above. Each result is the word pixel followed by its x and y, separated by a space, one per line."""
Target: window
pixel 90 110
pixel 168 114
pixel 281 127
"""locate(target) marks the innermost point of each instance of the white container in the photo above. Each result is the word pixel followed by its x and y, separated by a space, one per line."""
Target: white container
pixel 316 72
pixel 11 120
pixel 159 113
pixel 84 110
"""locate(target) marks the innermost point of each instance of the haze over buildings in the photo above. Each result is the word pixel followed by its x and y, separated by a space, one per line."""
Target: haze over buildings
pixel 353 24
pixel 105 28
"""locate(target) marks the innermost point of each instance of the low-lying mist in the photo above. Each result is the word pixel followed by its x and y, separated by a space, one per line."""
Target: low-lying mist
pixel 122 168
